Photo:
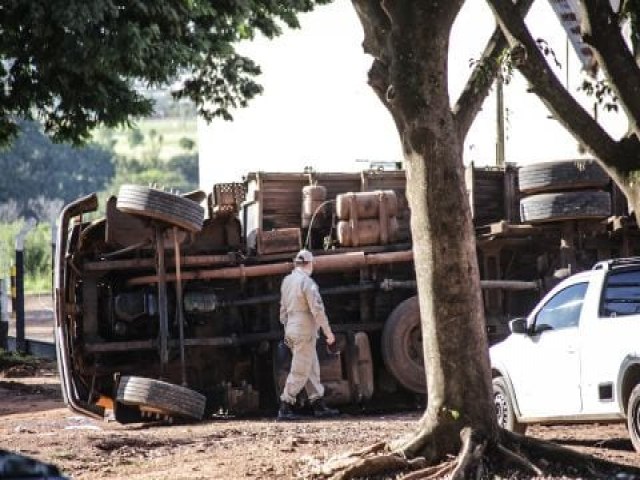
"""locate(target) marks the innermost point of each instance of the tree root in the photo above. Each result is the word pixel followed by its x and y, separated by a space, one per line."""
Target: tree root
pixel 432 472
pixel 479 456
pixel 470 462
pixel 547 452
pixel 519 460
pixel 371 465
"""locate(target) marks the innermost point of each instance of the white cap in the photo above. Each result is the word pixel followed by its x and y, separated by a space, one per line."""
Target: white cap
pixel 303 256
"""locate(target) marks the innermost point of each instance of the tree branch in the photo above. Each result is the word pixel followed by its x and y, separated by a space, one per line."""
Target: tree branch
pixel 376 25
pixel 380 82
pixel 550 90
pixel 479 83
pixel 395 34
pixel 601 31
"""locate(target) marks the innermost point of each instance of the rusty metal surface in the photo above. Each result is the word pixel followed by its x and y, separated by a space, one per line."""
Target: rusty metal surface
pixel 180 309
pixel 123 229
pixel 325 263
pixel 148 263
pixel 162 301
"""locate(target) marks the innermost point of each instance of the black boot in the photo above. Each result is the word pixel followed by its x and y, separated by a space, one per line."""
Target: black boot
pixel 286 412
pixel 320 409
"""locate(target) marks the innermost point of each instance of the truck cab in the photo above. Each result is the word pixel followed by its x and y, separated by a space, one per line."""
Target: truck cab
pixel 575 357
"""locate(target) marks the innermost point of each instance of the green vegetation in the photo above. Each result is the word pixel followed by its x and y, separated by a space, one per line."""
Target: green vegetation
pixel 160 151
pixel 81 65
pixel 37 255
pixel 12 359
pixel 156 151
pixel 40 168
pixel 163 138
pixel 77 66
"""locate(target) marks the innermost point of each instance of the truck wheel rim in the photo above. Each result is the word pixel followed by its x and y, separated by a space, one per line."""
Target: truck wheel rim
pixel 636 422
pixel 502 409
pixel 413 345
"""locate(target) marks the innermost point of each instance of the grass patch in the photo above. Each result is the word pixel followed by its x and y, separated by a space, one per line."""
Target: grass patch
pixel 13 359
pixel 38 285
pixel 161 138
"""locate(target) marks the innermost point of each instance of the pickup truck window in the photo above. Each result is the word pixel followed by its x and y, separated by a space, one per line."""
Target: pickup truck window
pixel 562 310
pixel 621 294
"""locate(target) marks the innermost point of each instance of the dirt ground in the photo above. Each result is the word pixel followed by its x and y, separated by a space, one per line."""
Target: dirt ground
pixel 36 423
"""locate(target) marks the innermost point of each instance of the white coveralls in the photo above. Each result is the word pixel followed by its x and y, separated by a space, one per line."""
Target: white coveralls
pixel 302 314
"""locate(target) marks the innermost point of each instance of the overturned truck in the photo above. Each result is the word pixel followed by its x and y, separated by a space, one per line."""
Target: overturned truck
pixel 161 312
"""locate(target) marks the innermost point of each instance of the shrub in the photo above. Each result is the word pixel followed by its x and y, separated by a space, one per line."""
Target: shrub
pixel 37 254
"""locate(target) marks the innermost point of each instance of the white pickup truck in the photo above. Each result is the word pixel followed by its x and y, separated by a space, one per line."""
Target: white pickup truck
pixel 576 357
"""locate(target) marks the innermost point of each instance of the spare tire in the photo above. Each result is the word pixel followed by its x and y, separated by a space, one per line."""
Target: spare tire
pixel 159 205
pixel 402 351
pixel 168 398
pixel 550 207
pixel 560 176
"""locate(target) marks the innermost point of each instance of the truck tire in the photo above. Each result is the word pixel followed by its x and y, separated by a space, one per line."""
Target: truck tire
pixel 550 207
pixel 402 346
pixel 561 176
pixel 159 205
pixel 633 417
pixel 166 397
pixel 505 413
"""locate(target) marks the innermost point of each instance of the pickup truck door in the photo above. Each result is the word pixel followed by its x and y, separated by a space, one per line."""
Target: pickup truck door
pixel 611 340
pixel 546 377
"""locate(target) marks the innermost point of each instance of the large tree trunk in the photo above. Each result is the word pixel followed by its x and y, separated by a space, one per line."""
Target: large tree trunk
pixel 410 75
pixel 409 41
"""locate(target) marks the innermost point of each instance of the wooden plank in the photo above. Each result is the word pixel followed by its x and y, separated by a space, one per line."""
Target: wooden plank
pixel 510 195
pixel 480 192
pixel 489 182
pixel 506 228
pixel 279 241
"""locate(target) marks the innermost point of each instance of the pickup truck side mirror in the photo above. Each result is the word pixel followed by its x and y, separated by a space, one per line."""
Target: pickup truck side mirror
pixel 518 325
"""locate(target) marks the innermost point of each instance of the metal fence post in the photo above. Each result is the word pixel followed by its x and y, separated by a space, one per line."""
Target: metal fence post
pixel 4 318
pixel 21 344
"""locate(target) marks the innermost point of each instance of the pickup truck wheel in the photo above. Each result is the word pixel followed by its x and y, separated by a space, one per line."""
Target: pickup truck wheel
pixel 549 207
pixel 402 346
pixel 159 205
pixel 505 413
pixel 166 398
pixel 561 176
pixel 633 417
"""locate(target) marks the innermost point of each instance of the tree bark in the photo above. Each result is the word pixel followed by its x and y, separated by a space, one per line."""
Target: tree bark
pixel 601 31
pixel 412 64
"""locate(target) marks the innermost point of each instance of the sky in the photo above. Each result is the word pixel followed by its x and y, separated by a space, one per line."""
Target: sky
pixel 317 109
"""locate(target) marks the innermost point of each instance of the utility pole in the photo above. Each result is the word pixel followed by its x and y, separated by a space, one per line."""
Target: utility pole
pixel 500 159
pixel 4 318
pixel 21 344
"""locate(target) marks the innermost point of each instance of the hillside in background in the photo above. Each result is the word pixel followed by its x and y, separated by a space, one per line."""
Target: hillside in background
pixel 44 176
pixel 163 138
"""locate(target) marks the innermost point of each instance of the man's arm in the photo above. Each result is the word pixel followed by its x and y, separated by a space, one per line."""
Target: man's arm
pixel 316 306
